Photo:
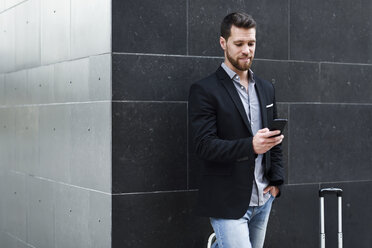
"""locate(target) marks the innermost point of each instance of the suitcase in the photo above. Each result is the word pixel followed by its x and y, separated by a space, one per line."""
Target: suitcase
pixel 322 194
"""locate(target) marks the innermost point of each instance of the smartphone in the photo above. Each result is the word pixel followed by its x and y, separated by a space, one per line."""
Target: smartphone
pixel 278 124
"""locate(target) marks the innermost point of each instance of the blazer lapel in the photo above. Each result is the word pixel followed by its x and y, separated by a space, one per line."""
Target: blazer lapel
pixel 227 82
pixel 261 97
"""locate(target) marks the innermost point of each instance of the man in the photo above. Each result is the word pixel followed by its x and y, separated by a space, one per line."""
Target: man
pixel 229 112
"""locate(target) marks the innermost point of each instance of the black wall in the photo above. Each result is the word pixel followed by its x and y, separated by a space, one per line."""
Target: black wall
pixel 319 56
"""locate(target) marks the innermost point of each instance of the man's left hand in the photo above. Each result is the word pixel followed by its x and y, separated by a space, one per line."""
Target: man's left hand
pixel 274 191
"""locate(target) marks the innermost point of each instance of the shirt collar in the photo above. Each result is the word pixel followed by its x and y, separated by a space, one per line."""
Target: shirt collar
pixel 232 74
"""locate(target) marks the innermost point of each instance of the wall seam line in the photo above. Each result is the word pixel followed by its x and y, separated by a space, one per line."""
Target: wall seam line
pixel 61 183
pixel 154 192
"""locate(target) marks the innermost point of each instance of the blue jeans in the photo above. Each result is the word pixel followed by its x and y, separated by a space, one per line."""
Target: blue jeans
pixel 246 232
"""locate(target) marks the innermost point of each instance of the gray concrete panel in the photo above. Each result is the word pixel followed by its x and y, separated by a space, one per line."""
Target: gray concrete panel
pixel 100 77
pixel 71 217
pixel 100 219
pixel 2 5
pixel 27 35
pixel 91 145
pixel 55 139
pixel 71 81
pixel 27 139
pixel 7 141
pixel 2 203
pixel 16 88
pixel 55 30
pixel 62 82
pixel 7 41
pixel 40 84
pixel 7 241
pixel 40 229
pixel 79 83
pixel 90 27
pixel 2 89
pixel 16 205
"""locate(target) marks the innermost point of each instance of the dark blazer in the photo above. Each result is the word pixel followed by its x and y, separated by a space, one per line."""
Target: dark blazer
pixel 222 139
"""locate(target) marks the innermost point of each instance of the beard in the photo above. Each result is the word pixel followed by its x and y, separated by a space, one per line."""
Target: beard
pixel 235 62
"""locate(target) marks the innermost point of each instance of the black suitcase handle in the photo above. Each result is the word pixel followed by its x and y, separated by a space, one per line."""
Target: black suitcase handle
pixel 329 191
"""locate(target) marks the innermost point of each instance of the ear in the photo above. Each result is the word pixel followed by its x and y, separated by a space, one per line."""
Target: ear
pixel 223 43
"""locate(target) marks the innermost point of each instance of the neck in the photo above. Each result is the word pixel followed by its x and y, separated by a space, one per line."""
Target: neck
pixel 241 74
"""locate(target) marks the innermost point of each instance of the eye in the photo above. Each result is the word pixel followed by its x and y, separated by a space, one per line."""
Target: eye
pixel 239 44
pixel 251 44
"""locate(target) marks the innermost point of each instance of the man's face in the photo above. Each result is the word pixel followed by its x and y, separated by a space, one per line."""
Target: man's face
pixel 239 48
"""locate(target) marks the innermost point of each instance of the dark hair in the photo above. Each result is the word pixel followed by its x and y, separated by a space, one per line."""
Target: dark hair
pixel 238 19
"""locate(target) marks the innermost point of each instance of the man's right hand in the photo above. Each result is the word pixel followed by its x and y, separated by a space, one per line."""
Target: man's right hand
pixel 263 140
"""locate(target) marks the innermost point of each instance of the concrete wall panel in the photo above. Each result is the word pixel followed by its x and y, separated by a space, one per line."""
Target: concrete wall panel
pixel 100 77
pixel 90 28
pixel 27 139
pixel 8 241
pixel 100 219
pixel 40 83
pixel 55 140
pixel 90 164
pixel 79 84
pixel 16 88
pixel 2 89
pixel 2 5
pixel 8 138
pixel 62 82
pixel 71 217
pixel 16 205
pixel 7 41
pixel 27 35
pixel 3 193
pixel 55 30
pixel 71 81
pixel 41 209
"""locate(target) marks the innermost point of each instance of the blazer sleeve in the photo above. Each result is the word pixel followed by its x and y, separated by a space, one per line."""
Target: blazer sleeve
pixel 203 127
pixel 276 174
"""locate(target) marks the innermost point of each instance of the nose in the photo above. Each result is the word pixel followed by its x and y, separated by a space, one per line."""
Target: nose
pixel 245 50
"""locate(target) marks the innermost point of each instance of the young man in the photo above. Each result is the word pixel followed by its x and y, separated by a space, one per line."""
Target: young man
pixel 229 112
